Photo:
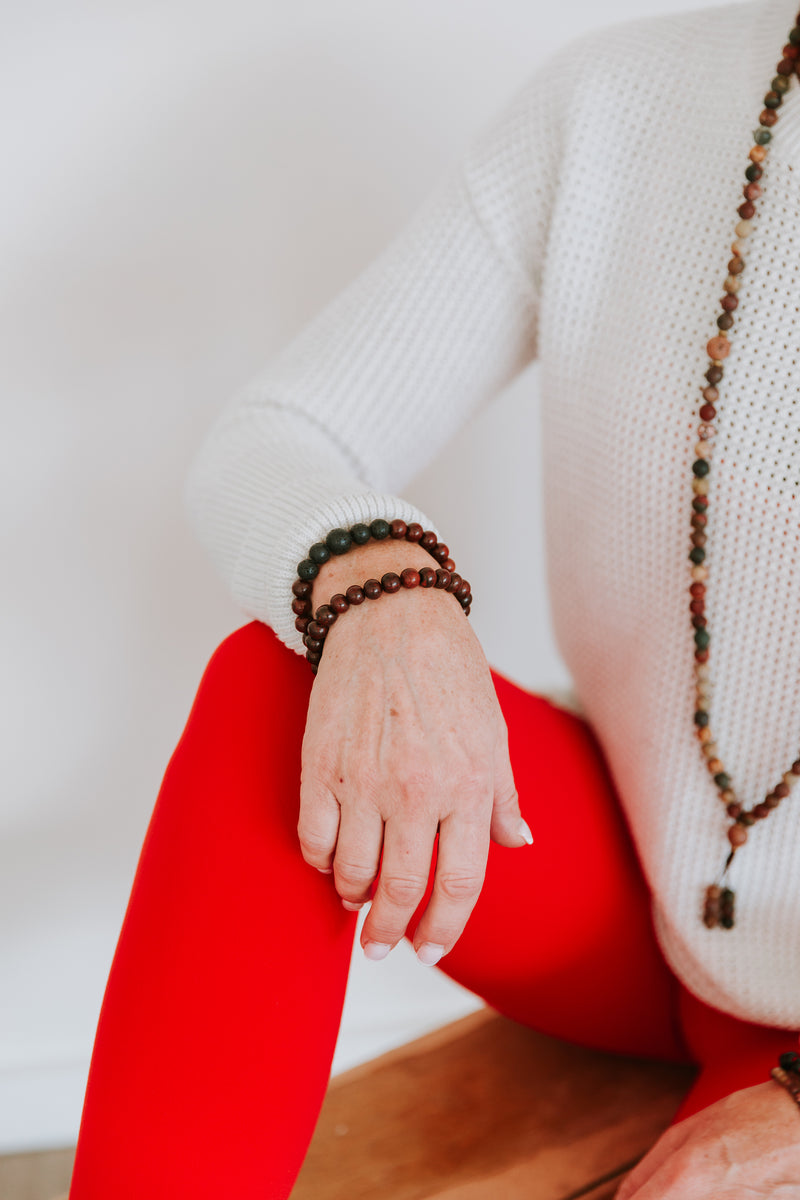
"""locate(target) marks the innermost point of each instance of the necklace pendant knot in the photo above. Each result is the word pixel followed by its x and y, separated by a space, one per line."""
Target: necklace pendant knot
pixel 718 908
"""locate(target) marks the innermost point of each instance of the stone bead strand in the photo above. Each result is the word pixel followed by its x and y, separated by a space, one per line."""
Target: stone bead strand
pixel 719 901
pixel 316 629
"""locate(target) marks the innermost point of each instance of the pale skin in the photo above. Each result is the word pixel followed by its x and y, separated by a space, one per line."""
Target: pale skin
pixel 404 736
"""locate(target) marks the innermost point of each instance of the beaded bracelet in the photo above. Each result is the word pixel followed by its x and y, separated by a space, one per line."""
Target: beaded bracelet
pixel 316 630
pixel 339 541
pixel 787 1074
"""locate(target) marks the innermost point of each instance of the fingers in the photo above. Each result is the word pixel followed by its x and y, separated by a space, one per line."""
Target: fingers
pixel 508 827
pixel 647 1172
pixel 318 825
pixel 460 871
pixel 407 852
pixel 358 853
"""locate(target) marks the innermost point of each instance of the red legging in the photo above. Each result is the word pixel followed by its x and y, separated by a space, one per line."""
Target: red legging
pixel 223 1004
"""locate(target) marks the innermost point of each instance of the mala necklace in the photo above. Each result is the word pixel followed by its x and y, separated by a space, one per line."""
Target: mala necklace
pixel 719 900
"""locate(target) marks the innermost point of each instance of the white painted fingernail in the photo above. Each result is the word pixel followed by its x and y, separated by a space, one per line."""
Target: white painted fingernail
pixel 351 907
pixel 525 832
pixel 376 950
pixel 429 953
pixel 325 870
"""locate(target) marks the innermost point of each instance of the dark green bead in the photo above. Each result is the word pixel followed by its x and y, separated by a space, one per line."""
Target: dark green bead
pixel 781 83
pixel 697 555
pixel 753 172
pixel 727 897
pixel 701 468
pixel 699 506
pixel 746 819
pixel 761 136
pixel 794 36
pixel 701 719
pixel 726 922
pixel 338 541
pixel 360 534
pixel 772 101
pixel 789 1061
pixel 702 639
pixel 380 529
pixel 307 569
pixel 319 553
pixel 722 780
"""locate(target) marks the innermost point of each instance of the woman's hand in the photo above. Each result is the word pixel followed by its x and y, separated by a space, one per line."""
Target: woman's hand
pixel 744 1147
pixel 404 737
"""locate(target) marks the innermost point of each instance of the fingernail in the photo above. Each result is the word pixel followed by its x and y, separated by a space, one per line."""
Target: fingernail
pixel 525 832
pixel 325 870
pixel 376 950
pixel 429 953
pixel 351 907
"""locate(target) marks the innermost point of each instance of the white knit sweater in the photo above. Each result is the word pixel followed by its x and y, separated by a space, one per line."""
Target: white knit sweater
pixel 589 226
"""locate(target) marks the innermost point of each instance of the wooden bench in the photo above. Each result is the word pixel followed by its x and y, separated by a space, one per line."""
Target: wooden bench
pixel 480 1110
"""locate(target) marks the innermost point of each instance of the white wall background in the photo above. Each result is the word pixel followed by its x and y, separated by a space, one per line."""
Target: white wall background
pixel 184 184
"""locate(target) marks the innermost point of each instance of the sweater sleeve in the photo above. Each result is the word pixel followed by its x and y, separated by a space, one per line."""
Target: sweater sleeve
pixel 373 387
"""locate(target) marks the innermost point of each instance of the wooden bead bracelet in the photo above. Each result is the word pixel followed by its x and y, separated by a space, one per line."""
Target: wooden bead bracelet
pixel 315 629
pixel 339 541
pixel 787 1074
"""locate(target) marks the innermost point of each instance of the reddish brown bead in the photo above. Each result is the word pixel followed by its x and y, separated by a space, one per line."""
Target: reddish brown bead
pixel 737 835
pixel 390 582
pixel 442 578
pixel 698 539
pixel 462 591
pixel 317 631
pixel 339 603
pixel 302 588
pixel 467 609
pixel 707 412
pixel 736 264
pixel 751 192
pixel 761 811
pixel 301 624
pixel 699 520
pixel 718 347
pixel 455 580
pixel 313 644
pixel 772 801
pixel 355 594
pixel 441 552
pixel 698 589
pixel 714 374
pixel 325 616
pixel 313 656
pixel 427 577
pixel 791 51
pixel 697 606
pixel 314 668
pixel 746 210
pixel 701 656
pixel 767 117
pixel 725 321
pixel 373 589
pixel 428 540
pixel 398 529
pixel 700 502
pixel 786 66
pixel 414 532
pixel 449 565
pixel 699 622
pixel 733 809
pixel 729 302
pixel 781 790
pixel 301 608
pixel 409 578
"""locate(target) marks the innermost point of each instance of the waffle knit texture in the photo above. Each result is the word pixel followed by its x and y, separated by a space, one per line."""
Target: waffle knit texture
pixel 588 225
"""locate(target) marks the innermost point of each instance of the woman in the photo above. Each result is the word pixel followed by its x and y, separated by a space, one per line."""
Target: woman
pixel 588 226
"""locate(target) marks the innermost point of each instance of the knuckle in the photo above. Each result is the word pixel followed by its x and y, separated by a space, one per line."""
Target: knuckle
pixel 313 845
pixel 352 878
pixel 403 891
pixel 459 886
